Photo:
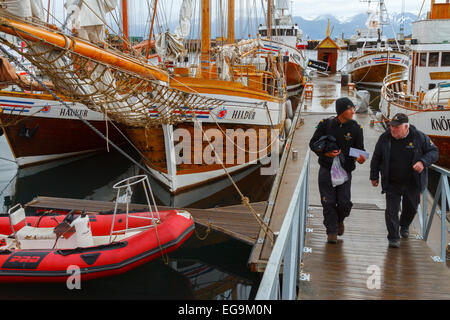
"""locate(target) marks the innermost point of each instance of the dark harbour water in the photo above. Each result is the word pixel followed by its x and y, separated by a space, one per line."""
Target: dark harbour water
pixel 214 268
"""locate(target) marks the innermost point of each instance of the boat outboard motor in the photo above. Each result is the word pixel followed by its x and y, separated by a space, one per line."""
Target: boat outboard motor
pixel 83 231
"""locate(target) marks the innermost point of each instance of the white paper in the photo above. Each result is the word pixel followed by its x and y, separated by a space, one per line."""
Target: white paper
pixel 356 153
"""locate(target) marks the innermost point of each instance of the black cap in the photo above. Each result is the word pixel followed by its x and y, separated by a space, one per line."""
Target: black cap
pixel 398 119
pixel 342 104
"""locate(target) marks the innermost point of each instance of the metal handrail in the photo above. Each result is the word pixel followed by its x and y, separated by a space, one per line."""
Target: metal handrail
pixel 425 219
pixel 289 246
pixel 411 100
pixel 126 185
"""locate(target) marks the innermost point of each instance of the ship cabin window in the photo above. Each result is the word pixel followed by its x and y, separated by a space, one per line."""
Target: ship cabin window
pixel 433 59
pixel 263 33
pixel 445 60
pixel 368 44
pixel 431 86
pixel 423 59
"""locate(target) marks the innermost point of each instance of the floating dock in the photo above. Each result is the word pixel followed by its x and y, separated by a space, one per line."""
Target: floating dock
pixel 234 221
pixel 343 270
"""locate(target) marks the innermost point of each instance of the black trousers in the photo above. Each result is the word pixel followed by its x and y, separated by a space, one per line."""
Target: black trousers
pixel 409 196
pixel 335 200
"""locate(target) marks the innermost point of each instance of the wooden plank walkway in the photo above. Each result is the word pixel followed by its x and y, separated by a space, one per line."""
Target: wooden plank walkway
pixel 348 270
pixel 326 91
pixel 234 221
pixel 344 270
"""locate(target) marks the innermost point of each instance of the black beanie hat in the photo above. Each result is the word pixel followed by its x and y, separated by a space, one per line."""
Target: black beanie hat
pixel 342 104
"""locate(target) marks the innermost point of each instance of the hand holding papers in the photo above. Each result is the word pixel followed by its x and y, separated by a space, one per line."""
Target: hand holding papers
pixel 358 153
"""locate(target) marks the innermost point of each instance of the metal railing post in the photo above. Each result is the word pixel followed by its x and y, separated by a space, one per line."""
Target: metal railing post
pixel 445 193
pixel 288 247
pixel 442 192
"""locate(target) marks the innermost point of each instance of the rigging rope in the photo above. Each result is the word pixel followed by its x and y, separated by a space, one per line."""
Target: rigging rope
pixel 10 56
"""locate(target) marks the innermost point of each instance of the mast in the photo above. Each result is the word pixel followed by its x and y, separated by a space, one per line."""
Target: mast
pixel 151 30
pixel 206 38
pixel 48 12
pixel 230 28
pixel 269 19
pixel 125 23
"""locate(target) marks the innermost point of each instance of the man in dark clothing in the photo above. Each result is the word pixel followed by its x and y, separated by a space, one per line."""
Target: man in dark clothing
pixel 346 133
pixel 401 155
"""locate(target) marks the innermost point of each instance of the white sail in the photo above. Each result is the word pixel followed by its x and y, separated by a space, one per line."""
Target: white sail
pixel 184 24
pixel 170 46
pixel 24 8
pixel 91 12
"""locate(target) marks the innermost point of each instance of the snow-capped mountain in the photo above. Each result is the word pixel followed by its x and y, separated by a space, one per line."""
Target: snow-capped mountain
pixel 316 28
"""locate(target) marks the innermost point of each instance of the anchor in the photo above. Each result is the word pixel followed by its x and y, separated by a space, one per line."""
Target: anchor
pixel 26 132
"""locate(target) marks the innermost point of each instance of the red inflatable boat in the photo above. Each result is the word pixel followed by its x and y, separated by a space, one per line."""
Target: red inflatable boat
pixel 46 248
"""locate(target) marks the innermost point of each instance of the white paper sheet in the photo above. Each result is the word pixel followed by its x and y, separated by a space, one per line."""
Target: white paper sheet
pixel 356 153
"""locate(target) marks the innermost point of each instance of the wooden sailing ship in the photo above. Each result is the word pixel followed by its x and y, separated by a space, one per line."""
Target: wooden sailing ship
pixel 374 57
pixel 286 38
pixel 40 129
pixel 228 138
pixel 156 103
pixel 424 93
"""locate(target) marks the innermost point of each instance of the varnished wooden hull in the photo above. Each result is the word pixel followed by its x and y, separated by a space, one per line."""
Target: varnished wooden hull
pixel 294 68
pixel 247 112
pixel 374 75
pixel 371 69
pixel 41 136
pixel 443 144
pixel 184 164
pixel 294 81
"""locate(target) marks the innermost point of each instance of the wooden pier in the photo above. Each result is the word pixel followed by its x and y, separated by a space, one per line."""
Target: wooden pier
pixel 360 265
pixel 234 221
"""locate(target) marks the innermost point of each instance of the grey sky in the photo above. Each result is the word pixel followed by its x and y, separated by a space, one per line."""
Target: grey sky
pixel 346 8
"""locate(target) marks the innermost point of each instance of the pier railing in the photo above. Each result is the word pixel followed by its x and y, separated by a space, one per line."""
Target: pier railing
pixel 289 245
pixel 443 195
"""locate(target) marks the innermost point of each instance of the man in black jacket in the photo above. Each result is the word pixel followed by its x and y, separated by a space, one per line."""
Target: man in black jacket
pixel 401 155
pixel 345 133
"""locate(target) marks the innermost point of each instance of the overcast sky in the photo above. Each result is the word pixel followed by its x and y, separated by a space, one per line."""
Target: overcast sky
pixel 307 9
pixel 346 8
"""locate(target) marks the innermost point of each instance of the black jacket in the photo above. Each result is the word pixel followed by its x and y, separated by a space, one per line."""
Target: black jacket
pixel 424 151
pixel 348 135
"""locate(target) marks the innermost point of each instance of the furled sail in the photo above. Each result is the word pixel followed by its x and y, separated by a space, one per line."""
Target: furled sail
pixel 24 8
pixel 227 55
pixel 282 4
pixel 89 16
pixel 170 46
